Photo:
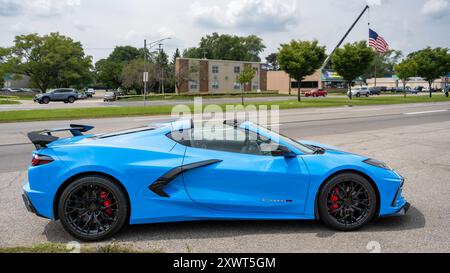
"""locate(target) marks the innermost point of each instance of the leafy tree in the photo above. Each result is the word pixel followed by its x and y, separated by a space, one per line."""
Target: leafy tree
pixel 352 60
pixel 245 77
pixel 163 66
pixel 227 47
pixel 272 62
pixel 405 70
pixel 431 63
pixel 300 59
pixel 52 60
pixel 383 64
pixel 176 55
pixel 131 75
pixel 3 64
pixel 109 70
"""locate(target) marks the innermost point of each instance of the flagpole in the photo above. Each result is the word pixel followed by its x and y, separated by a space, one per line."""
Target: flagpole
pixel 375 65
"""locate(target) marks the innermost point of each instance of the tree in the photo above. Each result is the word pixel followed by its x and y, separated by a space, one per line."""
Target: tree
pixel 383 64
pixel 431 63
pixel 3 64
pixel 351 61
pixel 131 75
pixel 300 59
pixel 245 77
pixel 108 71
pixel 405 70
pixel 227 47
pixel 272 62
pixel 52 60
pixel 176 55
pixel 163 66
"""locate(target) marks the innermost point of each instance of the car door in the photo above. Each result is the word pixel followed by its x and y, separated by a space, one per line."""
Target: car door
pixel 244 180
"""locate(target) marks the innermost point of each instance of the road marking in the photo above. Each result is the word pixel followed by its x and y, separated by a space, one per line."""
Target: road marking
pixel 426 112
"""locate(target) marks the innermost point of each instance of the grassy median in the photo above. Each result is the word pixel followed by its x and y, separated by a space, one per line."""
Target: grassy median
pixel 104 112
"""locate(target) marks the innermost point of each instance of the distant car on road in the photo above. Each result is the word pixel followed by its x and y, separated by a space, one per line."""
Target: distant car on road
pixel 109 96
pixel 82 95
pixel 316 93
pixel 375 90
pixel 90 92
pixel 66 95
pixel 360 91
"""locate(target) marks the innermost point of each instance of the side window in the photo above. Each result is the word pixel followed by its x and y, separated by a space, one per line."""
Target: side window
pixel 229 139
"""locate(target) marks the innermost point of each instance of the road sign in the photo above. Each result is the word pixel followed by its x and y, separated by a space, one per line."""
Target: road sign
pixel 145 76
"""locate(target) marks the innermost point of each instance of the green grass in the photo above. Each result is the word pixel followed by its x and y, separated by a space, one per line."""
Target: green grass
pixel 103 112
pixel 2 101
pixel 62 248
pixel 191 97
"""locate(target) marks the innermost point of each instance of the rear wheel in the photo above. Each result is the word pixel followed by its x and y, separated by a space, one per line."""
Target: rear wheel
pixel 347 202
pixel 93 208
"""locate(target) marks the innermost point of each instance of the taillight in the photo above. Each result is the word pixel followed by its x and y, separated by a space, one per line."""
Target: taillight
pixel 40 160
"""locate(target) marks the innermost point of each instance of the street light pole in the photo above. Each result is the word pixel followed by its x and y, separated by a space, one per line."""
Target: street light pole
pixel 145 74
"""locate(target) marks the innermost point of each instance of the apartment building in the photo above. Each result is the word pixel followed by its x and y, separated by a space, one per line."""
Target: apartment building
pixel 217 76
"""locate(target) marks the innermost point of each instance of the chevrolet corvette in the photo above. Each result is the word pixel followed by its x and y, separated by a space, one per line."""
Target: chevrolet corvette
pixel 97 183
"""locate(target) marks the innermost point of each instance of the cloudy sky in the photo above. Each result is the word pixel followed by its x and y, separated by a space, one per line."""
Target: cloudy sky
pixel 100 25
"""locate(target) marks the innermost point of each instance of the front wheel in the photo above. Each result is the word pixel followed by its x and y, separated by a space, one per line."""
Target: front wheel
pixel 71 100
pixel 347 202
pixel 93 208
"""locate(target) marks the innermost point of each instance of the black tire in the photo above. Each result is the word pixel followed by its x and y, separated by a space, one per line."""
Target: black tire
pixel 341 212
pixel 45 100
pixel 71 99
pixel 82 204
pixel 367 94
pixel 358 95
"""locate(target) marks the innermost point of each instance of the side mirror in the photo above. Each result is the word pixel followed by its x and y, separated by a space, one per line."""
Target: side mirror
pixel 283 151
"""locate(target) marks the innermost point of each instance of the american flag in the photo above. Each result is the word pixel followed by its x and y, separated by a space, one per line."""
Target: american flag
pixel 377 42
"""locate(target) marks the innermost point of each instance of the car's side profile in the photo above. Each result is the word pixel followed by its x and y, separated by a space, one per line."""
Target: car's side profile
pixel 176 171
pixel 66 95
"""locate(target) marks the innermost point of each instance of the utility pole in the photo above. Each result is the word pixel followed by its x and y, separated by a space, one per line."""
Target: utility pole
pixel 145 74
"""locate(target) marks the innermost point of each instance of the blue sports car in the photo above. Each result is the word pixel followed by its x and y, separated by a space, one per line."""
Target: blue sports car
pixel 95 184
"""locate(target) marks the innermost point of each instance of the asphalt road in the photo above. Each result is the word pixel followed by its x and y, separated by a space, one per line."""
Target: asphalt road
pixel 414 139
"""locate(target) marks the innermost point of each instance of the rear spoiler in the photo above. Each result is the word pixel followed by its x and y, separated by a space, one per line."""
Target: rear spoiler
pixel 40 139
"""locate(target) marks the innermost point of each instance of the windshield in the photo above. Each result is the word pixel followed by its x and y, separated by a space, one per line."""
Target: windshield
pixel 284 140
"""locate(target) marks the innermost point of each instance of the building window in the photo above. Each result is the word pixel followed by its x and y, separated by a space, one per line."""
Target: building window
pixel 215 85
pixel 255 86
pixel 215 69
pixel 237 86
pixel 193 85
pixel 237 70
pixel 256 70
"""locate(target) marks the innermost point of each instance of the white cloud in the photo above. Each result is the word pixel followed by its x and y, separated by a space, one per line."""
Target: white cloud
pixel 48 8
pixel 435 7
pixel 10 8
pixel 257 15
pixel 373 2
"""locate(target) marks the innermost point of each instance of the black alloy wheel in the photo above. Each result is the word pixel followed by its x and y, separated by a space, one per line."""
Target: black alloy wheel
pixel 347 202
pixel 71 100
pixel 93 208
pixel 45 100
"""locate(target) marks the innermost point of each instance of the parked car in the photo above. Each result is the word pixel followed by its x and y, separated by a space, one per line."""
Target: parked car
pixel 168 172
pixel 375 90
pixel 6 89
pixel 316 93
pixel 360 91
pixel 109 96
pixel 90 92
pixel 66 95
pixel 82 95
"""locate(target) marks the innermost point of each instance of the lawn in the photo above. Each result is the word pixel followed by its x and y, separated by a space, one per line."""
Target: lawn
pixel 2 101
pixel 103 112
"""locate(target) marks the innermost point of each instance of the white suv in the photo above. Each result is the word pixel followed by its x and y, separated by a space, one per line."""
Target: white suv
pixel 360 91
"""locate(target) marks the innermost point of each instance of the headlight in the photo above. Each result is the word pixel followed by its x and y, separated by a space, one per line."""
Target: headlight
pixel 377 163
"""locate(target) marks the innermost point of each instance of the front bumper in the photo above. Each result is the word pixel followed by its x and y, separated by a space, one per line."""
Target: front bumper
pixel 403 210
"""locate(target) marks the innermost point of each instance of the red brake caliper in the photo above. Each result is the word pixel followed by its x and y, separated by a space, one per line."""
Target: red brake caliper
pixel 334 198
pixel 106 202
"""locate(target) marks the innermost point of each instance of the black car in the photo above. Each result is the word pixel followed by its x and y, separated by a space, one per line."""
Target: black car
pixel 67 95
pixel 375 90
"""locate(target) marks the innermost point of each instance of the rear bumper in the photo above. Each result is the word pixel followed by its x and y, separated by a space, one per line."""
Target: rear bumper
pixel 29 205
